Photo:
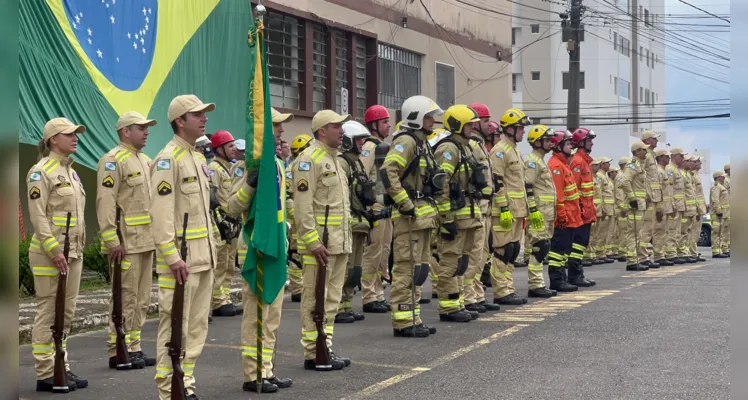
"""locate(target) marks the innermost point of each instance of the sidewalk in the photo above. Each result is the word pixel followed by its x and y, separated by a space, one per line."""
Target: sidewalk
pixel 92 310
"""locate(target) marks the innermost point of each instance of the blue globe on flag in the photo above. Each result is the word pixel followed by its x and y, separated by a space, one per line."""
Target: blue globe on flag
pixel 118 36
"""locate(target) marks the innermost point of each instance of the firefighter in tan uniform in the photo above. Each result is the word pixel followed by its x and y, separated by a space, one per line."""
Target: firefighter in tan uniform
pixel 615 224
pixel 621 241
pixel 726 221
pixel 225 229
pixel 675 251
pixel 541 195
pixel 475 295
pixel 634 186
pixel 54 189
pixel 377 251
pixel 625 223
pixel 662 236
pixel 459 210
pixel 180 183
pixel 509 207
pixel 237 205
pixel 608 220
pixel 653 214
pixel 124 177
pixel 692 217
pixel 361 194
pixel 319 182
pixel 295 271
pixel 592 252
pixel 719 205
pixel 411 179
pixel 700 199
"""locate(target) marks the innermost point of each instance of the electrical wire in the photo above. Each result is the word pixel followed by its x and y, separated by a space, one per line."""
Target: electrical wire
pixel 704 11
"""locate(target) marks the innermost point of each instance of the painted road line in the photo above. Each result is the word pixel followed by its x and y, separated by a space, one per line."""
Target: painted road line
pixel 511 319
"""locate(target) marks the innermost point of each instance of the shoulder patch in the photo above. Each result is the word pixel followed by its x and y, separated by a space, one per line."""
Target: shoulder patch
pixel 399 148
pixel 556 172
pixel 500 154
pixel 448 156
pixel 35 193
pixel 305 166
pixel 35 177
pixel 164 188
pixel 302 186
pixel 576 169
pixel 110 166
pixel 239 171
pixel 365 153
pixel 163 165
pixel 532 164
pixel 289 175
pixel 632 165
pixel 108 181
pixel 620 179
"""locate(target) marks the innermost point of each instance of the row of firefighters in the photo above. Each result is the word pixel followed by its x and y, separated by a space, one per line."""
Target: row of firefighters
pixel 451 203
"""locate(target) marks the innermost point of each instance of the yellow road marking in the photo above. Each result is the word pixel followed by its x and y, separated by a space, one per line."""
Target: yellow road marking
pixel 511 318
pixel 378 387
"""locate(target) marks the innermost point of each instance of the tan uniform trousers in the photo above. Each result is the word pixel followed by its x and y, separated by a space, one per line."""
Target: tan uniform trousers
pixel 137 281
pixel 636 252
pixel 694 233
pixel 607 228
pixel 45 285
pixel 472 287
pixel 502 282
pixel 354 259
pixel 673 234
pixel 725 234
pixel 224 273
pixel 271 317
pixel 197 293
pixel 646 229
pixel 449 286
pixel 402 276
pixel 593 248
pixel 335 275
pixel 295 273
pixel 660 238
pixel 375 261
pixel 610 248
pixel 685 230
pixel 626 237
pixel 534 266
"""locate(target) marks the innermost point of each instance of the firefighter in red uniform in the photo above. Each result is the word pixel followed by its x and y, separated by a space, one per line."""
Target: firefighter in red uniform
pixel 568 214
pixel 585 180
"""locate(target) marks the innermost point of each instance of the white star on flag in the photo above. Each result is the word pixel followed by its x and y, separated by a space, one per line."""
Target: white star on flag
pixel 111 17
pixel 136 36
pixel 89 40
pixel 107 6
pixel 142 32
pixel 77 19
pixel 143 10
pixel 142 41
pixel 114 1
pixel 75 26
pixel 81 14
pixel 143 50
pixel 149 11
pixel 90 32
pixel 147 20
pixel 135 45
pixel 128 35
pixel 146 26
pixel 98 52
pixel 117 59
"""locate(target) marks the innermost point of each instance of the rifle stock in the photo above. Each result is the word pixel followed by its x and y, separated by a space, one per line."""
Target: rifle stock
pixel 60 380
pixel 322 356
pixel 178 392
pixel 123 358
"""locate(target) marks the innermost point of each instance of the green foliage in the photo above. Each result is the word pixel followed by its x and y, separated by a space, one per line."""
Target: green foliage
pixel 25 277
pixel 94 261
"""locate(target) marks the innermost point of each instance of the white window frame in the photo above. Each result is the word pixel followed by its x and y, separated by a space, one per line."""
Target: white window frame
pixel 436 83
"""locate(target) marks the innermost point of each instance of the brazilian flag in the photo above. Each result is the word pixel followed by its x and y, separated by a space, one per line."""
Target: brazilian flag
pixel 265 227
pixel 92 60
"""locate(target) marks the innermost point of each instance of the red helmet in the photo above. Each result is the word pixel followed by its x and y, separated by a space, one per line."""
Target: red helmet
pixel 220 138
pixel 559 137
pixel 375 113
pixel 580 134
pixel 494 128
pixel 481 109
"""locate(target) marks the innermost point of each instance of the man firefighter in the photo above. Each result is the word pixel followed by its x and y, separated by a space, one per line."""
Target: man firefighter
pixel 676 171
pixel 299 144
pixel 719 204
pixel 662 237
pixel 634 186
pixel 653 213
pixel 580 166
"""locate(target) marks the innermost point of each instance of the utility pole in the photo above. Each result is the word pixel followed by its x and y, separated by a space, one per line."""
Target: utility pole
pixel 573 46
pixel 635 55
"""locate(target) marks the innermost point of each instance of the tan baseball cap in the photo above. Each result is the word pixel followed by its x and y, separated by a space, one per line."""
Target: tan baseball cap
pixel 187 103
pixel 325 117
pixel 133 118
pixel 603 160
pixel 638 145
pixel 727 166
pixel 677 150
pixel 595 161
pixel 661 152
pixel 691 157
pixel 649 134
pixel 56 126
pixel 614 168
pixel 279 117
pixel 624 160
pixel 717 174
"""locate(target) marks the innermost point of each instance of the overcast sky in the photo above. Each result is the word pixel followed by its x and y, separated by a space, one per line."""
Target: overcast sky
pixel 683 86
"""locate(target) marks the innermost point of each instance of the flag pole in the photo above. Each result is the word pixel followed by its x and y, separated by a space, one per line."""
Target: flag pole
pixel 260 10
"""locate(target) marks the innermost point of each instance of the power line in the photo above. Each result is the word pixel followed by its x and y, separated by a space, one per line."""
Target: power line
pixel 704 11
pixel 501 13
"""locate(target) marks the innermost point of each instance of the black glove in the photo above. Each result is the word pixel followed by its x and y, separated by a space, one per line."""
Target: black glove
pixel 634 204
pixel 719 215
pixel 411 212
pixel 448 231
pixel 214 198
pixel 252 179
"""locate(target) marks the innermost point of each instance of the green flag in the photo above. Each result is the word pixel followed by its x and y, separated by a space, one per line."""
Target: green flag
pixel 265 227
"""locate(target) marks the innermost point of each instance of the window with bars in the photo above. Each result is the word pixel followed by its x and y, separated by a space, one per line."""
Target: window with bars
pixel 342 64
pixel 319 68
pixel 445 85
pixel 400 72
pixel 360 49
pixel 285 43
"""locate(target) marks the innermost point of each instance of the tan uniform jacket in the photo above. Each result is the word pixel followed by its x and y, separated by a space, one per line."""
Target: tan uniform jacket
pixel 369 160
pixel 359 223
pixel 290 205
pixel 220 177
pixel 508 172
pixel 597 197
pixel 690 194
pixel 449 157
pixel 54 189
pixel 318 182
pixel 238 203
pixel 481 155
pixel 698 190
pixel 679 187
pixel 635 184
pixel 180 184
pixel 622 204
pixel 666 182
pixel 727 183
pixel 654 188
pixel 606 187
pixel 719 200
pixel 124 179
pixel 538 176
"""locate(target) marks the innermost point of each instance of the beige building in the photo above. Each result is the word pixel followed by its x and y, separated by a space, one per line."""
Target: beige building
pixel 383 51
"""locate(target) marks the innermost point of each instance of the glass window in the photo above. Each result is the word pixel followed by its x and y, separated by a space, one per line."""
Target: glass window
pixel 445 85
pixel 319 68
pixel 342 66
pixel 285 42
pixel 399 75
pixel 623 88
pixel 535 75
pixel 360 106
pixel 535 28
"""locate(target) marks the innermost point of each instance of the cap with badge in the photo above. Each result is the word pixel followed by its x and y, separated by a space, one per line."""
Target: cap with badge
pixel 240 144
pixel 133 118
pixel 649 134
pixel 717 174
pixel 638 145
pixel 325 117
pixel 56 126
pixel 187 103
pixel 279 117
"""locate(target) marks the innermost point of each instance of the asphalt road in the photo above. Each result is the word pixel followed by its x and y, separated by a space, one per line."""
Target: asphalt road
pixel 661 334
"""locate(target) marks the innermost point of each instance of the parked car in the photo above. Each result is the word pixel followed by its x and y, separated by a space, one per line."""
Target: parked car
pixel 705 238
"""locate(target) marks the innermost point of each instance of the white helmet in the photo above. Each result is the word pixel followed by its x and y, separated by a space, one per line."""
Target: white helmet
pixel 353 130
pixel 415 108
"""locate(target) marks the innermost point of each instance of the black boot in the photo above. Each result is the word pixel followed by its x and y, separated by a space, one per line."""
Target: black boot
pixel 609 260
pixel 226 310
pixel 473 314
pixel 149 361
pixel 653 264
pixel 135 363
pixel 375 307
pixel 238 310
pixel 622 258
pixel 540 292
pixel 296 298
pixel 510 300
pixel 679 260
pixel 489 306
pixel 80 383
pixel 192 396
pixel 636 267
pixel 580 281
pixel 520 264
pixel 475 307
pixel 345 360
pixel 431 329
pixel 665 263
pixel 558 281
pixel 412 331
pixel 344 318
pixel 356 316
pixel 282 383
pixel 700 259
pixel 385 303
pixel 48 385
pixel 335 364
pixel 586 263
pixel 266 387
pixel 456 316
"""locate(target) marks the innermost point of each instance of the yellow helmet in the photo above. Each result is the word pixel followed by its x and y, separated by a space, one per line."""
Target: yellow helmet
pixel 457 116
pixel 539 132
pixel 300 143
pixel 514 116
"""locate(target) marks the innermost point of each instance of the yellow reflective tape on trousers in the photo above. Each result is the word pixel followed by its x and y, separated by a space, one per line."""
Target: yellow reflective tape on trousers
pixel 251 351
pixel 402 316
pixel 449 303
pixel 516 195
pixel 163 372
pixel 62 221
pixel 400 196
pixel 597 201
pixel 44 271
pixel 308 260
pixel 640 194
pixel 547 198
pixel 332 220
pixel 467 210
pixel 43 348
pixel 126 265
pixel 309 336
pixel 423 210
pixel 443 207
pixel 166 283
pixel 138 220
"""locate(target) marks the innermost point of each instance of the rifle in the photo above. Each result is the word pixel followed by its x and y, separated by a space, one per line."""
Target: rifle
pixel 60 383
pixel 178 392
pixel 123 358
pixel 322 359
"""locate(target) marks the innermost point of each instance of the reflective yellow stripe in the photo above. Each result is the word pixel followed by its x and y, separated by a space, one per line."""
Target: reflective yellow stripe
pixel 586 185
pixel 161 266
pixel 35 243
pixel 449 303
pixel 570 187
pixel 597 201
pixel 609 201
pixel 467 210
pixel 309 336
pixel 135 335
pixel 422 163
pixel 640 194
pixel 396 158
pixel 62 221
pixel 163 372
pixel 242 196
pixel 655 186
pixel 309 237
pixel 45 348
pixel 547 198
pixel 50 165
pixel 443 207
pixel 516 195
pixel 423 210
pixel 166 283
pixel 44 271
pixel 400 197
pixel 332 220
pixel 50 244
pixel 251 351
pixel 402 315
pixel 195 233
pixel 448 168
pixel 126 265
pixel 308 260
pixel 488 190
pixel 318 154
pixel 588 194
pixel 109 235
pixel 678 196
pixel 138 220
pixel 121 155
pixel 178 153
pixel 113 338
